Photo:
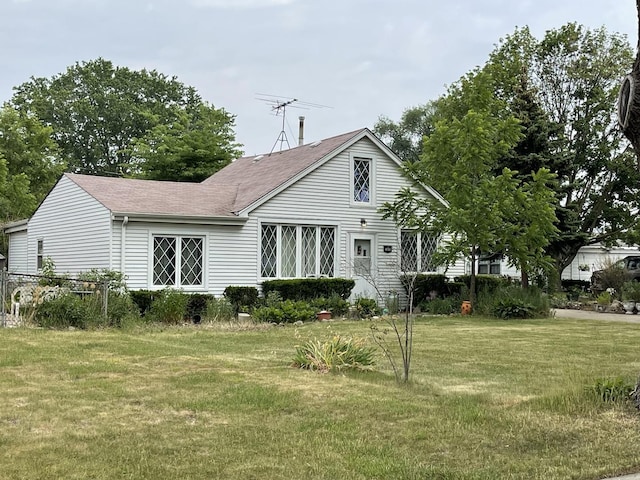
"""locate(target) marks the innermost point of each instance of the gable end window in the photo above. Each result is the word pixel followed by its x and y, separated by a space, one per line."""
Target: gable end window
pixel 178 261
pixel 417 249
pixel 294 251
pixel 362 169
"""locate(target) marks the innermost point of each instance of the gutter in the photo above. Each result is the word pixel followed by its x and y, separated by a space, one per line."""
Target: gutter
pixel 180 219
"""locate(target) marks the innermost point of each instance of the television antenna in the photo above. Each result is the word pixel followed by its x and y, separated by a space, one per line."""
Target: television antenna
pixel 279 106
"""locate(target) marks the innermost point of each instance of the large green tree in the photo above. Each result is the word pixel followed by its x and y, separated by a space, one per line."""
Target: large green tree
pixel 28 149
pixel 563 90
pixel 485 211
pixel 190 149
pixel 96 110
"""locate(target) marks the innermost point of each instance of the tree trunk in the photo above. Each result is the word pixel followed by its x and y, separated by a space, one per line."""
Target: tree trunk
pixel 629 99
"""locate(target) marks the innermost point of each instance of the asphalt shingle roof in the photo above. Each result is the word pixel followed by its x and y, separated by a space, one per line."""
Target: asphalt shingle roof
pixel 224 194
pixel 258 175
pixel 151 197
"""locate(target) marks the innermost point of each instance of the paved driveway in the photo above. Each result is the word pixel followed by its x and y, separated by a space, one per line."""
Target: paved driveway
pixel 592 315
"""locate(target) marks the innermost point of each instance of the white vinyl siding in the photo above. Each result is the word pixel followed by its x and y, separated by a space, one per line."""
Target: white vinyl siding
pixel 325 197
pixel 229 254
pixel 17 255
pixel 75 230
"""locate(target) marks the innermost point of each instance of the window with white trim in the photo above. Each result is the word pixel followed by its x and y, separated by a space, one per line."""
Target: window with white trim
pixel 416 251
pixel 294 251
pixel 40 255
pixel 178 261
pixel 489 265
pixel 362 180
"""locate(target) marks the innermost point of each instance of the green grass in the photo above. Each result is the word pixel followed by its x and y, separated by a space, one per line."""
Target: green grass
pixel 488 399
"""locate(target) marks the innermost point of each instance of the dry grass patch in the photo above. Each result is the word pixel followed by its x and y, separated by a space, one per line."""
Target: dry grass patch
pixel 489 399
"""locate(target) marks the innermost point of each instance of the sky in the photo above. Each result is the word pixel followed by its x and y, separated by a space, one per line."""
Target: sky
pixel 354 60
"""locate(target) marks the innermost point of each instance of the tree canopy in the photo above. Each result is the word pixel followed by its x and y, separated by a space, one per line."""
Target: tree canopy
pixel 486 211
pixel 563 91
pixel 102 116
pixel 29 163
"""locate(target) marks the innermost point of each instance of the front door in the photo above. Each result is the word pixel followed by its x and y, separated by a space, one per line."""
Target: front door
pixel 362 265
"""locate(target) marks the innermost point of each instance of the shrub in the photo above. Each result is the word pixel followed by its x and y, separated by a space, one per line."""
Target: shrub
pixel 309 288
pixel 513 302
pixel 286 311
pixel 441 306
pixel 219 310
pixel 631 291
pixel 144 299
pixel 575 285
pixel 121 308
pixel 366 307
pixel 613 275
pixel 604 298
pixel 485 283
pixel 170 306
pixel 114 278
pixel 197 306
pixel 339 353
pixel 69 310
pixel 334 304
pixel 611 390
pixel 268 315
pixel 508 308
pixel 425 286
pixel 242 297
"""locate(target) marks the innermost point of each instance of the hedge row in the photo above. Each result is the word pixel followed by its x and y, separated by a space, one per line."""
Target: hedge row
pixel 309 288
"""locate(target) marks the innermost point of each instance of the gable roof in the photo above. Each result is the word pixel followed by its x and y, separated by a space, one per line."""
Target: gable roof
pixel 259 175
pixel 150 197
pixel 231 192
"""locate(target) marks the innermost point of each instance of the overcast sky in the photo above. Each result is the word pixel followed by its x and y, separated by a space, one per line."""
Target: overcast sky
pixel 361 58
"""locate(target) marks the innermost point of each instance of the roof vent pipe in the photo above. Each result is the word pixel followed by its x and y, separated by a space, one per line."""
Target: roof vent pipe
pixel 301 131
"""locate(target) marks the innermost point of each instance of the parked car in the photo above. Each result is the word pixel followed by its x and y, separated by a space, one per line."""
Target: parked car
pixel 629 265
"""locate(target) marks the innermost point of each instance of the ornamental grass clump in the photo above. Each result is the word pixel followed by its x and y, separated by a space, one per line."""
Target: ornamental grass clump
pixel 611 390
pixel 339 353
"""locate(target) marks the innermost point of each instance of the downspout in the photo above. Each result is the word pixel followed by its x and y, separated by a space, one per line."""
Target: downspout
pixel 123 237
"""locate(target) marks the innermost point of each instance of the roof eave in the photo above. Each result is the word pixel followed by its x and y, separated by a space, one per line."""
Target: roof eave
pixel 17 226
pixel 180 219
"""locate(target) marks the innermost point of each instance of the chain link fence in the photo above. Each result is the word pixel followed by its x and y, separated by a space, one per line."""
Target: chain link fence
pixel 21 294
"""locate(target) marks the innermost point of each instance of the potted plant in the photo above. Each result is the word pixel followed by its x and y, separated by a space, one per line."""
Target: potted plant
pixel 630 296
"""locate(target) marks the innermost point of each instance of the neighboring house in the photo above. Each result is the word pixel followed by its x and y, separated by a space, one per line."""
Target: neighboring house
pixel 311 211
pixel 589 259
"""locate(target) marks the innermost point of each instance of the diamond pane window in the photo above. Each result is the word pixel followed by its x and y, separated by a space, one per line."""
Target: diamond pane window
pixel 309 251
pixel 288 247
pixel 289 251
pixel 428 245
pixel 269 251
pixel 417 251
pixel 191 259
pixel 361 180
pixel 409 251
pixel 178 261
pixel 327 251
pixel 164 261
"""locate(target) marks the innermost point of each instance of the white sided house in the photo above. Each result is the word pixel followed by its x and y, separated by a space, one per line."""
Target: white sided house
pixel 588 259
pixel 310 211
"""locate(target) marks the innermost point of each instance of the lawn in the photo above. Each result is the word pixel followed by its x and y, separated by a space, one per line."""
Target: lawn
pixel 488 399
